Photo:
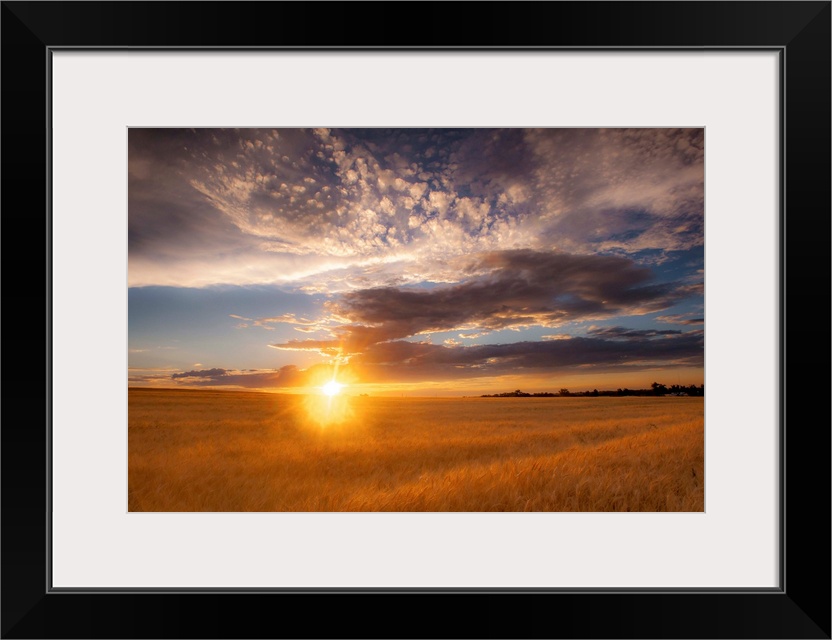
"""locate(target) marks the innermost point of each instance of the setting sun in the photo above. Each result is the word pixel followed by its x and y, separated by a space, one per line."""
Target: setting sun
pixel 332 388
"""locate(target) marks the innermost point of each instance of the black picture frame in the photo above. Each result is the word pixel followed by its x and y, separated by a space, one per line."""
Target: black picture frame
pixel 799 608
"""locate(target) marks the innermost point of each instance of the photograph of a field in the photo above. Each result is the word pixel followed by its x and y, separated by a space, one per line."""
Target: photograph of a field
pixel 416 319
pixel 243 451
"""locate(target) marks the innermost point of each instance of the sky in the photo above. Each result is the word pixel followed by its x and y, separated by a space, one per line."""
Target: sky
pixel 415 261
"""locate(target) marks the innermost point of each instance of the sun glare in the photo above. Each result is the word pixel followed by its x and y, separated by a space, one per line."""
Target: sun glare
pixel 332 388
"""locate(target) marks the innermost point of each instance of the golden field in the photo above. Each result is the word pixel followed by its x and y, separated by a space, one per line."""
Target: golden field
pixel 192 450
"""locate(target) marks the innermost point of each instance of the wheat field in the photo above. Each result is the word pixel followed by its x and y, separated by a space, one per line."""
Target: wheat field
pixel 192 450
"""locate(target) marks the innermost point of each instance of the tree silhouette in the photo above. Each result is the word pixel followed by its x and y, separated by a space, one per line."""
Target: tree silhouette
pixel 659 389
pixel 656 389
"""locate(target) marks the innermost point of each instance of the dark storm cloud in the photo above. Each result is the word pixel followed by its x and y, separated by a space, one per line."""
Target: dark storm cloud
pixel 508 289
pixel 404 361
pixel 629 334
pixel 413 361
pixel 680 319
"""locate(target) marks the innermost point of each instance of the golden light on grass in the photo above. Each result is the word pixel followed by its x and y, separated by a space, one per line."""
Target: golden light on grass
pixel 237 451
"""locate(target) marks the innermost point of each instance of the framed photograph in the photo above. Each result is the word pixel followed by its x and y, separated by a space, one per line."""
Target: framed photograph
pixel 338 273
pixel 410 307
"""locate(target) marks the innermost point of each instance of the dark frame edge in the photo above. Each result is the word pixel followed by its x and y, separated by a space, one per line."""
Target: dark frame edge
pixel 803 610
pixel 25 519
pixel 805 227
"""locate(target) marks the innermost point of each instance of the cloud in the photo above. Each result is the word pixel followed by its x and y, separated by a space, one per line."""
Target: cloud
pixel 205 373
pixel 405 233
pixel 626 189
pixel 474 335
pixel 408 361
pixel 301 324
pixel 680 319
pixel 504 290
pixel 147 378
pixel 629 334
pixel 288 376
pixel 249 206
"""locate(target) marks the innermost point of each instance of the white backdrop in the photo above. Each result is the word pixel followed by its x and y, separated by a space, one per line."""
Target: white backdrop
pixel 96 96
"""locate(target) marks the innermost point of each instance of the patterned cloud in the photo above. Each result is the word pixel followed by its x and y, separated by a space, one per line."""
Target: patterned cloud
pixel 296 205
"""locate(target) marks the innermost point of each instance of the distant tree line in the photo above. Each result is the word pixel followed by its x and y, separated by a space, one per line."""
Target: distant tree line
pixel 656 389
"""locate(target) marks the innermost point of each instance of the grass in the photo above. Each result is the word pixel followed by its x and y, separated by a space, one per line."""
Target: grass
pixel 242 451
